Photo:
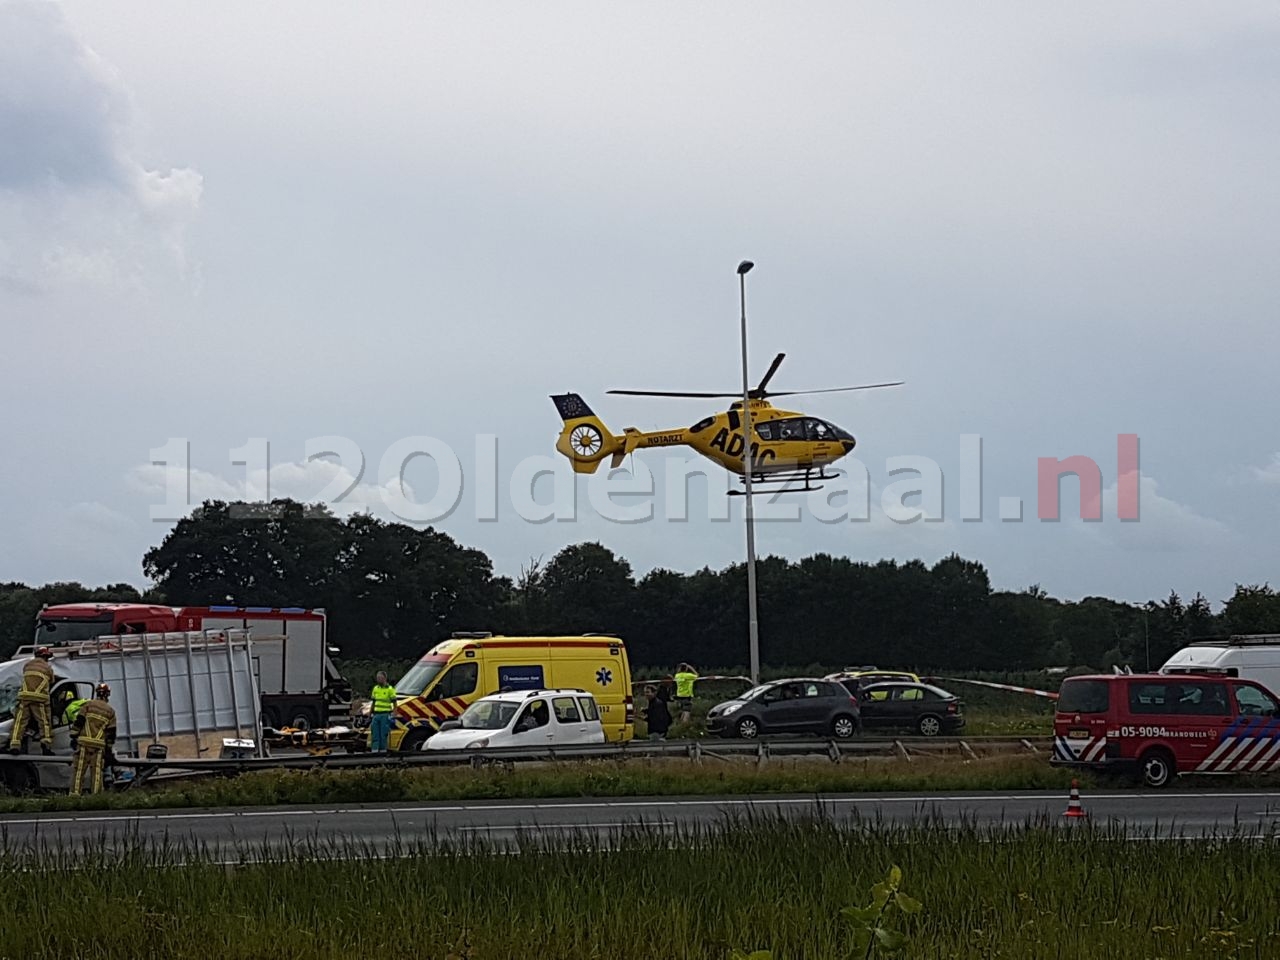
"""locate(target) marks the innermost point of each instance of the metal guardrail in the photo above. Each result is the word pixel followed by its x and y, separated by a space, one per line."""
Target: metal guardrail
pixel 694 750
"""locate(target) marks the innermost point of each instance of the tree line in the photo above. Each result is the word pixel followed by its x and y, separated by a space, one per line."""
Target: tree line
pixel 392 591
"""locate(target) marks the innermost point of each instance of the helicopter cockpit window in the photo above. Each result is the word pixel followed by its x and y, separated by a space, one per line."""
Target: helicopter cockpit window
pixel 817 430
pixel 765 430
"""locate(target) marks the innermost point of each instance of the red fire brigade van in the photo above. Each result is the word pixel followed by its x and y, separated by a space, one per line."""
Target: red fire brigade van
pixel 1158 726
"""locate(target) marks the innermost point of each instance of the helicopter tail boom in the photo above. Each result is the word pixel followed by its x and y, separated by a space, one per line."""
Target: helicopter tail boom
pixel 585 440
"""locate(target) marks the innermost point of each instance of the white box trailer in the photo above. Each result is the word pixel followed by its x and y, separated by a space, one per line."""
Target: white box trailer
pixel 1250 656
pixel 301 686
pixel 178 695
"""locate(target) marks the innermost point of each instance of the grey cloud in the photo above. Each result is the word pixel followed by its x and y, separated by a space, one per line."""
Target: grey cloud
pixel 60 114
pixel 71 185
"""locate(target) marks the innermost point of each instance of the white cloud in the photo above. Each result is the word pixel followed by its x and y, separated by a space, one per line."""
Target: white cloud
pixel 173 491
pixel 1270 473
pixel 1163 524
pixel 76 202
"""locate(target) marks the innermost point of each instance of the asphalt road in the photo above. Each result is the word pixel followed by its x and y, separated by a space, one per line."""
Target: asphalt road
pixel 390 829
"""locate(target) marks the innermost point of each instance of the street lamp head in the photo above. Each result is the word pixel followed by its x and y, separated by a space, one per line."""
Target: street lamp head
pixel 744 266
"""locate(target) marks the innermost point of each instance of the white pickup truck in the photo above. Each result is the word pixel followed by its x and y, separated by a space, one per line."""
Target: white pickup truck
pixel 524 718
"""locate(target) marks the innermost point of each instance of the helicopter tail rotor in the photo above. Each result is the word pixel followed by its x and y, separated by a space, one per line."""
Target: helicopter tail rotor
pixel 585 440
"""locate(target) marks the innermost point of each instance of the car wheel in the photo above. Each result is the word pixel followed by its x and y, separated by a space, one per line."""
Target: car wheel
pixel 843 726
pixel 415 740
pixel 748 728
pixel 1157 768
pixel 929 725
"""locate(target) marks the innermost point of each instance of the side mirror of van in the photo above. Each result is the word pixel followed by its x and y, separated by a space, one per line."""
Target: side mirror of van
pixel 450 725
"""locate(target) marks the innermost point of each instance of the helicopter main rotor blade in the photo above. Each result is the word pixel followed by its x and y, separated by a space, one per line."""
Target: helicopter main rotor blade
pixel 773 368
pixel 865 386
pixel 670 393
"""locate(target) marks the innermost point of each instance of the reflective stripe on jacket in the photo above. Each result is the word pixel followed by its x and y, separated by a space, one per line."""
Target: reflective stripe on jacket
pixel 684 684
pixel 37 678
pixel 96 724
pixel 384 698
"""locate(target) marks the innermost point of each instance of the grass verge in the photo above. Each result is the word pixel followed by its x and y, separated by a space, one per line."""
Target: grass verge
pixel 1040 892
pixel 602 778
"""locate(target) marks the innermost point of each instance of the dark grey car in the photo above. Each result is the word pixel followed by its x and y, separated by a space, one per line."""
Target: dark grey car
pixel 816 707
pixel 922 707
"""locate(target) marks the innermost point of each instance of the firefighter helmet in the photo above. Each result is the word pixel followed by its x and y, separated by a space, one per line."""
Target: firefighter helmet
pixel 103 691
pixel 44 653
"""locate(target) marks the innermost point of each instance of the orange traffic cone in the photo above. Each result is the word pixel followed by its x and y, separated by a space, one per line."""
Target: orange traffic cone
pixel 1074 809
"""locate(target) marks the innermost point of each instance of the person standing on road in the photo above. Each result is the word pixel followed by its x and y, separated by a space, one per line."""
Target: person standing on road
pixel 384 702
pixel 656 715
pixel 685 675
pixel 33 702
pixel 92 734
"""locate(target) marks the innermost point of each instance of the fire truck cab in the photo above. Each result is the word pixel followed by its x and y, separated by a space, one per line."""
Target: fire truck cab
pixel 1159 726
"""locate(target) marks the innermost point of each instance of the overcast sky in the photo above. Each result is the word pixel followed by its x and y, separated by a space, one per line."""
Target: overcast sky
pixel 243 224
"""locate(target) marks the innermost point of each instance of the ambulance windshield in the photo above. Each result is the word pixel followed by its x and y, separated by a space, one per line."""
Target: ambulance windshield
pixel 488 715
pixel 420 676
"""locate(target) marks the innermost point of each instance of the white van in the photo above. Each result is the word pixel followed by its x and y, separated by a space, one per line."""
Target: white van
pixel 524 718
pixel 1253 657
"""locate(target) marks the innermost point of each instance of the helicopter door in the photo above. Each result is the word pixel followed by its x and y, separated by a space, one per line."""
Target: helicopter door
pixel 822 436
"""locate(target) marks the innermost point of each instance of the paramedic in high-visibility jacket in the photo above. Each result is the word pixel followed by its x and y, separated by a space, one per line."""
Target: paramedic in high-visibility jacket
pixel 685 677
pixel 92 733
pixel 384 702
pixel 33 702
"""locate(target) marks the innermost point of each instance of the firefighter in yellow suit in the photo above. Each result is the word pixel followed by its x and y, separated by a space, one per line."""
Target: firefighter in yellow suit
pixel 33 701
pixel 93 732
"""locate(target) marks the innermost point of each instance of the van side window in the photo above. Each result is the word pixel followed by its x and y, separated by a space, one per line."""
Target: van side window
pixel 566 710
pixel 1254 703
pixel 535 715
pixel 458 681
pixel 1152 698
pixel 1202 699
pixel 589 711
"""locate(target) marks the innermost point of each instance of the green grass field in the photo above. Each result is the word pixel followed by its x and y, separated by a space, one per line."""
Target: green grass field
pixel 1030 893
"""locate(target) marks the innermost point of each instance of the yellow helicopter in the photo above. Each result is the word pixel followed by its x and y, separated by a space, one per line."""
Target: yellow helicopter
pixel 787 447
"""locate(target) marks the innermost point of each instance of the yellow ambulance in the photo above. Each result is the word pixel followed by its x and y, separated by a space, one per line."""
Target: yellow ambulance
pixel 455 673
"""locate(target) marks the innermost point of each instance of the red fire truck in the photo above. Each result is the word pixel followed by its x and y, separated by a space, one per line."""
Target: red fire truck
pixel 299 683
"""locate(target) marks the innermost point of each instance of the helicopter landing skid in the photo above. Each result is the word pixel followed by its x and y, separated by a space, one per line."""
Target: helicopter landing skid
pixel 782 482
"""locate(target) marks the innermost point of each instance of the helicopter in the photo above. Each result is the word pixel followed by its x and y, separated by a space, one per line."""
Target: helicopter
pixel 787 447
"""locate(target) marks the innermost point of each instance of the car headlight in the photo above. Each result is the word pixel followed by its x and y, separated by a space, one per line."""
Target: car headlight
pixel 730 709
pixel 482 742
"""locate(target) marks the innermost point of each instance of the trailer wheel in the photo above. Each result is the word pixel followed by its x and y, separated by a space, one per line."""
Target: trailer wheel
pixel 304 719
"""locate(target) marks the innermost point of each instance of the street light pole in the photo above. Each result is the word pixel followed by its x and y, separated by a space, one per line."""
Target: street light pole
pixel 753 628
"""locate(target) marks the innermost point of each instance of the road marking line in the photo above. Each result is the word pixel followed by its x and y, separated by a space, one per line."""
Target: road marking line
pixel 651 803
